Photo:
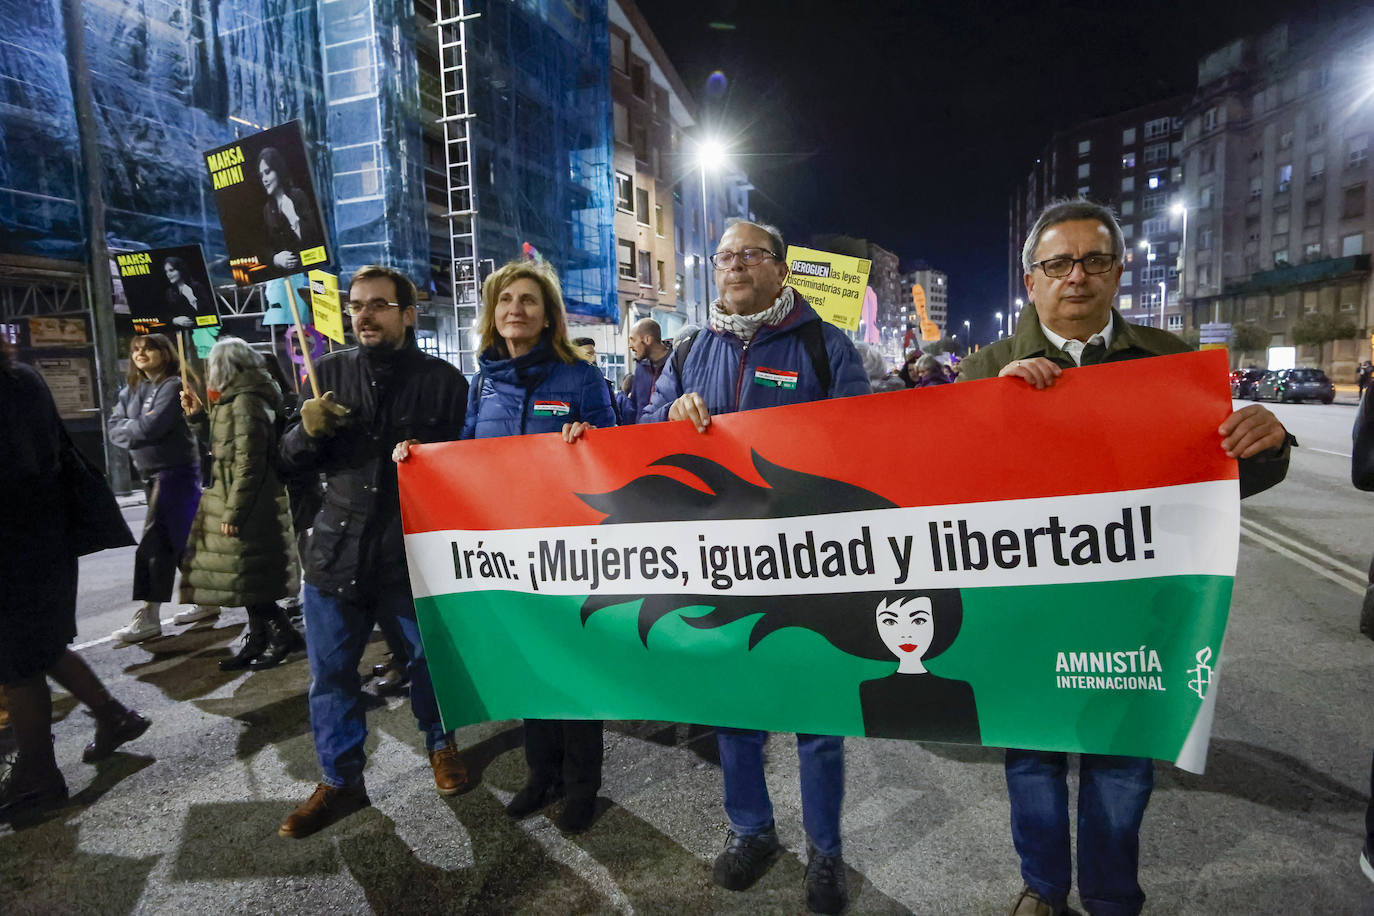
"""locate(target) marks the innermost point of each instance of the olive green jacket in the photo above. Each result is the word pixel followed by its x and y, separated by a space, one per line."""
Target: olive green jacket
pixel 1129 341
pixel 259 564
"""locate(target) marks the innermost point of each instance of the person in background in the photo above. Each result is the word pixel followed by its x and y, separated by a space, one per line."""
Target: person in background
pixel 875 367
pixel 651 354
pixel 241 551
pixel 148 421
pixel 38 569
pixel 530 380
pixel 587 348
pixel 908 371
pixel 385 390
pixel 762 329
pixel 928 371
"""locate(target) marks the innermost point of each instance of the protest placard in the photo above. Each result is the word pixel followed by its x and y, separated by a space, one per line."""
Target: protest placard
pixel 834 284
pixel 166 289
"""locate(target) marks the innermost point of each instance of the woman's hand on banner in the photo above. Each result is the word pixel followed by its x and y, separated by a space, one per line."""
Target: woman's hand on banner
pixel 691 406
pixel 573 431
pixel 1251 430
pixel 1036 371
pixel 402 450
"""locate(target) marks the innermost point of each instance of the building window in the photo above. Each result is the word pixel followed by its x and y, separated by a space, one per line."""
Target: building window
pixel 1123 302
pixel 1207 161
pixel 1285 139
pixel 1256 187
pixel 639 137
pixel 1128 161
pixel 658 220
pixel 1280 221
pixel 625 259
pixel 1159 127
pixel 1126 278
pixel 1128 137
pixel 1209 119
pixel 1313 251
pixel 1128 231
pixel 1154 180
pixel 1128 183
pixel 1347 305
pixel 642 206
pixel 1278 306
pixel 1204 197
pixel 1156 226
pixel 620 52
pixel 1127 207
pixel 1281 258
pixel 1352 202
pixel 1357 151
pixel 1204 275
pixel 1309 301
pixel 622 122
pixel 1085 147
pixel 1175 323
pixel 1155 202
pixel 1352 245
pixel 1316 166
pixel 662 278
pixel 624 192
pixel 1156 153
pixel 1312 216
pixel 679 283
pixel 1083 190
pixel 646 277
pixel 1204 238
pixel 1285 177
pixel 1083 169
pixel 1315 129
pixel 639 80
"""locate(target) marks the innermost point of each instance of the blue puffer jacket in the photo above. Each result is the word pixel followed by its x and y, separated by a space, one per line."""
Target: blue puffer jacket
pixel 534 393
pixel 733 377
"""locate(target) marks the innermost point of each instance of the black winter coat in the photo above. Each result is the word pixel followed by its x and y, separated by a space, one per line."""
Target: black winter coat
pixel 356 548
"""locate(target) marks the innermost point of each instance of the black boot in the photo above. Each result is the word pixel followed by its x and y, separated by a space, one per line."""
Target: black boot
pixel 284 640
pixel 252 647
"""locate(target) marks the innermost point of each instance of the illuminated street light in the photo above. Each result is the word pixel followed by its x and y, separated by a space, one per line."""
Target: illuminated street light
pixel 712 156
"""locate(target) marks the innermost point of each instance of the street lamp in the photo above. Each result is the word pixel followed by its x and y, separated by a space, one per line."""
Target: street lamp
pixel 711 156
pixel 1181 209
pixel 999 325
pixel 1013 318
pixel 966 334
pixel 1150 259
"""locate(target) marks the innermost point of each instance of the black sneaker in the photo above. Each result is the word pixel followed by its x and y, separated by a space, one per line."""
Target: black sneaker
pixel 827 891
pixel 745 859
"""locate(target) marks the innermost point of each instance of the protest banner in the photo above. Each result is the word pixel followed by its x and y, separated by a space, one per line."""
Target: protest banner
pixel 930 331
pixel 834 284
pixel 324 305
pixel 1044 583
pixel 166 289
pixel 267 205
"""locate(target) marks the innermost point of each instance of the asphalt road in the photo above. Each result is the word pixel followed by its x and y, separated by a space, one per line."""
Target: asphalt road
pixel 185 820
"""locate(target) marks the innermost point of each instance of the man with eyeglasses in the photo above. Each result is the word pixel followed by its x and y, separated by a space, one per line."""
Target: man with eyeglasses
pixel 1073 263
pixel 384 391
pixel 764 346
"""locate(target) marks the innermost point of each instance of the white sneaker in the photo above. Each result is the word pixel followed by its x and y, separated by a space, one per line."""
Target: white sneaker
pixel 195 613
pixel 145 624
pixel 1367 861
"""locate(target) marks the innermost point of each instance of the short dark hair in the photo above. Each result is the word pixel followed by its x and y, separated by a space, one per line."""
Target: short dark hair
pixel 405 289
pixel 1063 211
pixel 583 342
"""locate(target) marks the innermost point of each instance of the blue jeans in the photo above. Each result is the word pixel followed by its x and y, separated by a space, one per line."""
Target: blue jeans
pixel 336 632
pixel 1112 795
pixel 747 805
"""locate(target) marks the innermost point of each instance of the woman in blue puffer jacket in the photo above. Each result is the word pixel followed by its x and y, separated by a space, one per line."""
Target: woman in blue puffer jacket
pixel 533 381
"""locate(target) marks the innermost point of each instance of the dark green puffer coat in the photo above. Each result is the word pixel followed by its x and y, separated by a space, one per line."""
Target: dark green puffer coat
pixel 259 564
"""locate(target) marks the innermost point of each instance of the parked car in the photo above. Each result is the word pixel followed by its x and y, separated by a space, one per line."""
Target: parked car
pixel 1243 382
pixel 1301 384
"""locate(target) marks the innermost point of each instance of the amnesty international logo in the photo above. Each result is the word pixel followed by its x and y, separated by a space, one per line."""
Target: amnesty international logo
pixel 1202 674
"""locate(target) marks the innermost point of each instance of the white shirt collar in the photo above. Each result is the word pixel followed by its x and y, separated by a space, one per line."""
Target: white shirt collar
pixel 1075 347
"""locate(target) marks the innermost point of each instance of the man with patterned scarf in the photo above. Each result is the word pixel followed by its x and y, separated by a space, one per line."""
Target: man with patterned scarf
pixel 765 347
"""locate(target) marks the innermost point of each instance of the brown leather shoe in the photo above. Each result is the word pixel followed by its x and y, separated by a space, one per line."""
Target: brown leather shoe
pixel 450 775
pixel 1029 903
pixel 325 806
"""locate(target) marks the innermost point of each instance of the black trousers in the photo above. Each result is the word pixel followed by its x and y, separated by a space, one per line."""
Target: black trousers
pixel 1369 811
pixel 155 564
pixel 567 751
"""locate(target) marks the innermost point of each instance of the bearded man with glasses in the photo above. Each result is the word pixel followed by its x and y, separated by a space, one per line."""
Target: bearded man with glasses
pixel 384 391
pixel 1073 262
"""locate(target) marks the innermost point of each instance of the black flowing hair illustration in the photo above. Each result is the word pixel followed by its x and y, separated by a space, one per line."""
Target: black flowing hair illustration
pixel 921 706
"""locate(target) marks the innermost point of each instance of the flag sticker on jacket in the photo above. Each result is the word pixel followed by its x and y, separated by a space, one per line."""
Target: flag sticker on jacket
pixel 775 378
pixel 553 408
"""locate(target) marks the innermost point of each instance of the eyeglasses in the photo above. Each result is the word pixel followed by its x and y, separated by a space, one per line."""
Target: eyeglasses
pixel 371 305
pixel 751 257
pixel 1062 267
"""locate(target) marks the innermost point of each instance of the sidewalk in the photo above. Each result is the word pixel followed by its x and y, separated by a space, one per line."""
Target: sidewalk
pixel 136 498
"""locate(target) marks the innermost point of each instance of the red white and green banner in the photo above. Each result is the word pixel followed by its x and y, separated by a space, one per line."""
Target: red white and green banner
pixel 980 563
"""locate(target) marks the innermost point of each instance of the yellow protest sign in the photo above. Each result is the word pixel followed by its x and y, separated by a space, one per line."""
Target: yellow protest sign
pixel 324 302
pixel 833 283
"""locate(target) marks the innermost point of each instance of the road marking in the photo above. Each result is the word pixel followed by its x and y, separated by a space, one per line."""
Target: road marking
pixel 104 639
pixel 1337 571
pixel 1325 451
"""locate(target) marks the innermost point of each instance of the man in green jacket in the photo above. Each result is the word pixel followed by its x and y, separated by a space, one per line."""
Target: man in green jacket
pixel 1072 262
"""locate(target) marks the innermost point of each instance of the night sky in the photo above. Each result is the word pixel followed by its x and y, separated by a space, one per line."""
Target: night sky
pixel 910 123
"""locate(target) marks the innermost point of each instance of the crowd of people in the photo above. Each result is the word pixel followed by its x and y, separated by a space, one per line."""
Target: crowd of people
pixel 235 542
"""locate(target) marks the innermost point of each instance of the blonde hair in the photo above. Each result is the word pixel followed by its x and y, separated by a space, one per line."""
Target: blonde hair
pixel 554 312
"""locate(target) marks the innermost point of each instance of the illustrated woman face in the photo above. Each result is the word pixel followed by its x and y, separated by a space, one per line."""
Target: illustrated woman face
pixel 907 630
pixel 270 181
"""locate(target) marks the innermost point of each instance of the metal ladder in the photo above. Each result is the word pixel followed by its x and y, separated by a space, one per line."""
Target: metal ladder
pixel 451 22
